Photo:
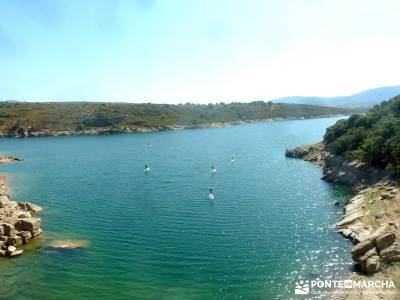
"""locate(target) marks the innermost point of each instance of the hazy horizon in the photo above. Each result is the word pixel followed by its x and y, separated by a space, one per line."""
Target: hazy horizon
pixel 200 52
pixel 184 102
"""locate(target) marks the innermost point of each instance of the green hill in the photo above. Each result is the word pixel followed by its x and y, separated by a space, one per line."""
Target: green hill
pixel 28 119
pixel 373 138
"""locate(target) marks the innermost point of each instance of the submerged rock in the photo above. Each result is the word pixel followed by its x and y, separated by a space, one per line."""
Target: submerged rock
pixel 68 244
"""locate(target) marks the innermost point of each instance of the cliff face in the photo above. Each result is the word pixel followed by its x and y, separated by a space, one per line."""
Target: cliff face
pixel 338 169
pixel 18 224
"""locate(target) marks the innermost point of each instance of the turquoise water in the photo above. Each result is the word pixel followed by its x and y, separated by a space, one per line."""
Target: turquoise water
pixel 156 235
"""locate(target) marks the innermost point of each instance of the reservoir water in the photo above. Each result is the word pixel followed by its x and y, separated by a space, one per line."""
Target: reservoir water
pixel 156 235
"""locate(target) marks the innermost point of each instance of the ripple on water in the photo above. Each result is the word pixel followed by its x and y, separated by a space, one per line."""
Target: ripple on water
pixel 158 236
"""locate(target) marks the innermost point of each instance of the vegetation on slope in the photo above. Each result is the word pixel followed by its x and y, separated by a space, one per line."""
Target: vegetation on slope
pixel 22 118
pixel 373 138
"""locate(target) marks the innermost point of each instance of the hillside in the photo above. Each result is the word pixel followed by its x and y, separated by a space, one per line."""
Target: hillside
pixel 373 138
pixel 365 98
pixel 30 119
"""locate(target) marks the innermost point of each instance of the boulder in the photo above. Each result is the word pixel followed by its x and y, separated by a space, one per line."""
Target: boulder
pixel 11 249
pixel 24 215
pixel 14 241
pixel 22 205
pixel 36 232
pixel 2 252
pixel 391 253
pixel 372 264
pixel 2 244
pixel 385 195
pixel 28 224
pixel 385 240
pixel 4 238
pixel 16 253
pixel 33 207
pixel 25 236
pixel 370 253
pixel 1 230
pixel 363 247
pixel 9 230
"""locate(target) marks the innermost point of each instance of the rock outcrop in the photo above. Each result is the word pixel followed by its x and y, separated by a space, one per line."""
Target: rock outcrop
pixel 312 153
pixel 371 218
pixel 370 221
pixel 336 168
pixel 17 225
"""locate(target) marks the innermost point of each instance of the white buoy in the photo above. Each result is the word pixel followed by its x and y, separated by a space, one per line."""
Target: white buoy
pixel 210 194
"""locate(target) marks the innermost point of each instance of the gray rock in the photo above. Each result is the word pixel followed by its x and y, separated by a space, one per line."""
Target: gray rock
pixel 14 241
pixel 24 215
pixel 385 195
pixel 9 230
pixel 25 235
pixel 16 253
pixel 370 253
pixel 392 253
pixel 372 264
pixel 362 248
pixel 11 249
pixel 349 219
pixel 385 240
pixel 36 232
pixel 33 207
pixel 28 224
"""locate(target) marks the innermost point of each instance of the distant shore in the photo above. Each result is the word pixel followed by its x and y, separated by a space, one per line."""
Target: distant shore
pixel 143 129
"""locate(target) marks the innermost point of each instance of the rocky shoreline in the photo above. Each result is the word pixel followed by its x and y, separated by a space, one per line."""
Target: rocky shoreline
pixel 18 223
pixel 371 218
pixel 30 132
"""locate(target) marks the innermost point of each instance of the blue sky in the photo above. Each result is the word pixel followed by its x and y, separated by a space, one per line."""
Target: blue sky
pixel 198 51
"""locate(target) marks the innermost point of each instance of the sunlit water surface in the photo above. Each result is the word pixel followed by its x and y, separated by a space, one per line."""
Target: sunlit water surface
pixel 156 235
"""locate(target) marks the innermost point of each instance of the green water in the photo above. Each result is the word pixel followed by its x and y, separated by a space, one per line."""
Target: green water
pixel 156 235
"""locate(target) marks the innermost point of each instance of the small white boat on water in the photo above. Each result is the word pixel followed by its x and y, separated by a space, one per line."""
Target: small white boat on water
pixel 146 168
pixel 213 169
